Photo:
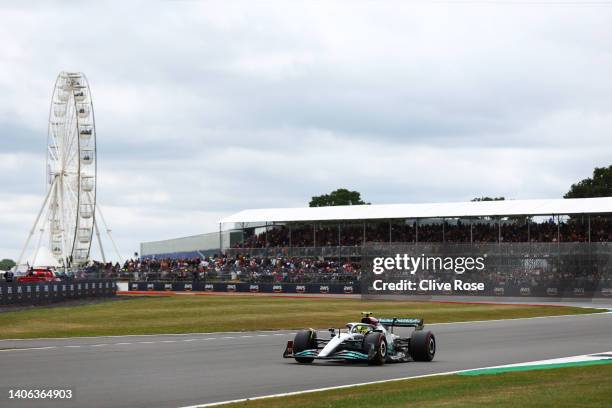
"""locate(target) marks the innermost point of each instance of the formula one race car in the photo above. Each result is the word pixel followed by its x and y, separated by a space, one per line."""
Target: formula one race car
pixel 370 340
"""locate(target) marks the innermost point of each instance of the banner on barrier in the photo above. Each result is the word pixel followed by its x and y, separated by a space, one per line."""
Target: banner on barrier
pixel 39 292
pixel 246 287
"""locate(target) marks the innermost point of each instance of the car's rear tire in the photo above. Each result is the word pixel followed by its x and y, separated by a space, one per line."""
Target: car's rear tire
pixel 304 340
pixel 422 346
pixel 378 342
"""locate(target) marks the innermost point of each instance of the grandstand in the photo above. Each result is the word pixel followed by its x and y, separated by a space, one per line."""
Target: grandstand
pixel 557 220
pixel 559 248
pixel 309 231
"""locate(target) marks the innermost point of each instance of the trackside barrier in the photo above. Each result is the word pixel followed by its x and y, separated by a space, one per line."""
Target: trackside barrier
pixel 332 288
pixel 335 288
pixel 46 292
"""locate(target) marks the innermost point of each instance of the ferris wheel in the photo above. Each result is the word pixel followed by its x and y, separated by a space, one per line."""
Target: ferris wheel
pixel 68 214
pixel 71 168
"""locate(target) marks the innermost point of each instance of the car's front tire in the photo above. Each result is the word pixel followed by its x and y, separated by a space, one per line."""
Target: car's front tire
pixel 378 343
pixel 304 340
pixel 422 346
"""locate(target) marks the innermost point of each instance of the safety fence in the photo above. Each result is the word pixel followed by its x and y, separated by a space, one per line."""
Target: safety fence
pixel 47 292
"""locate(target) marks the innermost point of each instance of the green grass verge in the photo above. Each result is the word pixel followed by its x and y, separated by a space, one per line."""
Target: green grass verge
pixel 189 314
pixel 562 387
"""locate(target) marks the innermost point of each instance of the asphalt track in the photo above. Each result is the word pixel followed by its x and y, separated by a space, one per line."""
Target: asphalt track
pixel 180 370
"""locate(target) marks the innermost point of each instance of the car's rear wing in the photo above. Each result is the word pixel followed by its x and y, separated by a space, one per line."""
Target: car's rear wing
pixel 401 322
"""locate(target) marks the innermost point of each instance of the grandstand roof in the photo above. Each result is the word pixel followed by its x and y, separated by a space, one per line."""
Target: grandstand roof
pixel 429 210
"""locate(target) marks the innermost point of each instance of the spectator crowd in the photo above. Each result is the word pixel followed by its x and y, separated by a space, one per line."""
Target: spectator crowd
pixel 544 271
pixel 244 268
pixel 569 269
pixel 478 231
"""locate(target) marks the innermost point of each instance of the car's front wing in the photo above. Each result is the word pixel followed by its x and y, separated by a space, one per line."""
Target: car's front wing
pixel 314 353
pixel 340 355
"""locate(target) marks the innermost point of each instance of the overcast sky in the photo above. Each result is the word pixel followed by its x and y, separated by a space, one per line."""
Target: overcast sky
pixel 206 108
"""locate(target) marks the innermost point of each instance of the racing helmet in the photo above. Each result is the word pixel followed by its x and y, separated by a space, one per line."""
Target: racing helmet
pixel 370 320
pixel 362 329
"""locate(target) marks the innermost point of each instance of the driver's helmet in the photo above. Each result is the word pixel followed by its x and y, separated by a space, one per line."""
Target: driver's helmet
pixel 362 329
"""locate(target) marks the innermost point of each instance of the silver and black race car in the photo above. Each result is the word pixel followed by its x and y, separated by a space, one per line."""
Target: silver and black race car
pixel 371 340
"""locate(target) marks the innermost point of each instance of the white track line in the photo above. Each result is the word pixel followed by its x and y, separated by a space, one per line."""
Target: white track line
pixel 269 333
pixel 28 348
pixel 138 342
pixel 143 342
pixel 339 387
pixel 562 360
pixel 151 335
pixel 522 318
pixel 287 331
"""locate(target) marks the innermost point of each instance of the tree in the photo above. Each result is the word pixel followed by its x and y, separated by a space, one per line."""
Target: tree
pixel 488 199
pixel 516 218
pixel 600 185
pixel 341 196
pixel 6 264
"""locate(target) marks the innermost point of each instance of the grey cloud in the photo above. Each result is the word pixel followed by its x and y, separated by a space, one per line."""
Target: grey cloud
pixel 205 108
